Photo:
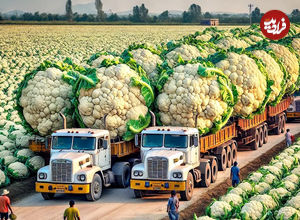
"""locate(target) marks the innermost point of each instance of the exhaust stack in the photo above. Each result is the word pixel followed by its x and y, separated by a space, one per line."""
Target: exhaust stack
pixel 64 120
pixel 153 118
pixel 196 120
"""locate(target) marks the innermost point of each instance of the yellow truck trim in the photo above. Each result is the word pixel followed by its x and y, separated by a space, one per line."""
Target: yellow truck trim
pixel 62 188
pixel 157 185
pixel 293 114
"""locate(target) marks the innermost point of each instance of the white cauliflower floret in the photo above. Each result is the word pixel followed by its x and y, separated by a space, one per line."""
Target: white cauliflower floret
pixel 2 178
pixel 186 94
pixel 289 60
pixel 245 186
pixel 292 178
pixel 228 42
pixel 253 209
pixel 205 218
pixel 279 192
pixel 231 197
pixel 23 141
pixel 296 171
pixel 287 212
pixel 218 208
pixel 18 170
pixel 35 163
pixel 265 199
pixel 237 191
pixel 262 187
pixel 274 170
pixel 9 159
pixel 273 70
pixel 290 186
pixel 5 153
pixel 24 154
pixel 255 177
pixel 244 74
pixel 294 202
pixel 97 62
pixel 289 151
pixel 269 178
pixel 114 96
pixel 45 96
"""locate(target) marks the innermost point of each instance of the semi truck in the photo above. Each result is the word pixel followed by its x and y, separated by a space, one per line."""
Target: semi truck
pixel 83 161
pixel 178 158
pixel 293 111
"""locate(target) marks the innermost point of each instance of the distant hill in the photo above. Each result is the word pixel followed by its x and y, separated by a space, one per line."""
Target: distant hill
pixel 13 12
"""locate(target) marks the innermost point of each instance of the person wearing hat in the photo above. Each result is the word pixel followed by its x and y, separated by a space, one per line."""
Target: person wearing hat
pixel 235 174
pixel 71 213
pixel 5 205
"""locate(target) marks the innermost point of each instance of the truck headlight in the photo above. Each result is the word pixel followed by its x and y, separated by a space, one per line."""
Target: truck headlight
pixel 177 175
pixel 138 173
pixel 42 176
pixel 81 177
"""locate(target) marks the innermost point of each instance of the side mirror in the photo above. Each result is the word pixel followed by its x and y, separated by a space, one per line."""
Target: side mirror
pixel 105 144
pixel 137 140
pixel 195 139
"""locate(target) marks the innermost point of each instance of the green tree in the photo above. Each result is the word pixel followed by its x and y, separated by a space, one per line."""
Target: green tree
pixel 69 13
pixel 1 18
pixel 140 14
pixel 295 13
pixel 136 14
pixel 193 14
pixel 100 13
pixel 256 15
pixel 164 16
pixel 207 15
pixel 144 13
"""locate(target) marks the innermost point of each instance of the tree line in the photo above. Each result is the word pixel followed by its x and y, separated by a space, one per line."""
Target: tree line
pixel 140 14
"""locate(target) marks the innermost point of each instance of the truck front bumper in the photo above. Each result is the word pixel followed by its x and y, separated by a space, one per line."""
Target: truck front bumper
pixel 293 114
pixel 157 185
pixel 46 187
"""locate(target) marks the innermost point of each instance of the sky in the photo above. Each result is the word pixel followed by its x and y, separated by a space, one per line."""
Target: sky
pixel 154 6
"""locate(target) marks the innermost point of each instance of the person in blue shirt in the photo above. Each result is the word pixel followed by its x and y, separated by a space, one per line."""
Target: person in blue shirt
pixel 173 205
pixel 235 174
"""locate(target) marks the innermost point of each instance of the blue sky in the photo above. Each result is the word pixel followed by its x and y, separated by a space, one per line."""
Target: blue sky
pixel 156 6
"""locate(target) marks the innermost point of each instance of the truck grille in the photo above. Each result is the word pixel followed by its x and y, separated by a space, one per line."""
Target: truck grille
pixel 158 168
pixel 61 170
pixel 297 106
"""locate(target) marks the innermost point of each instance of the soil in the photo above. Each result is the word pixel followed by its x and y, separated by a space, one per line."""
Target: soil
pixel 215 192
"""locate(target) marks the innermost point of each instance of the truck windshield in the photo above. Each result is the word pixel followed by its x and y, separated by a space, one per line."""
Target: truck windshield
pixel 176 141
pixel 61 143
pixel 84 143
pixel 153 140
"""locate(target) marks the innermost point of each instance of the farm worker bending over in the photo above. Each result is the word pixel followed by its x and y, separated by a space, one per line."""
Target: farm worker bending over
pixel 235 174
pixel 71 213
pixel 173 205
pixel 288 138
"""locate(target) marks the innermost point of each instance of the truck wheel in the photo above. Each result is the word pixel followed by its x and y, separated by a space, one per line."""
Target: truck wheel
pixel 121 171
pixel 261 137
pixel 205 174
pixel 189 188
pixel 229 156
pixel 234 152
pixel 222 160
pixel 265 130
pixel 96 189
pixel 138 193
pixel 214 171
pixel 48 196
pixel 278 128
pixel 282 124
pixel 255 143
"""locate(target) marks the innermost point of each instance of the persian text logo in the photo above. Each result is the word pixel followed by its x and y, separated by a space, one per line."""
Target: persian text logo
pixel 275 24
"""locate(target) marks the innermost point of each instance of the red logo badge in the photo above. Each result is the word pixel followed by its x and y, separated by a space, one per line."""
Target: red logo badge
pixel 275 24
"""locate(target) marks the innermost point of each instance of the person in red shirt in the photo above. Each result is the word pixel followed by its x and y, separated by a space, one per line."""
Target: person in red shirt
pixel 4 205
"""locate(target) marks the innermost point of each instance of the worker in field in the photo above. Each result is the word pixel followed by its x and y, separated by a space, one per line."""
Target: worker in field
pixel 173 205
pixel 71 213
pixel 235 174
pixel 288 138
pixel 5 205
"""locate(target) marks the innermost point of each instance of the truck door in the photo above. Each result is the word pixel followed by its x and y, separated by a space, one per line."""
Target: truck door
pixel 104 157
pixel 194 155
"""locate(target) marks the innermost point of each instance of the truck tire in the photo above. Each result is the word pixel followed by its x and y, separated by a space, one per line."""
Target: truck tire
pixel 255 143
pixel 277 130
pixel 48 196
pixel 189 188
pixel 266 134
pixel 261 136
pixel 234 151
pixel 138 193
pixel 96 189
pixel 214 170
pixel 222 160
pixel 205 174
pixel 283 123
pixel 229 156
pixel 121 171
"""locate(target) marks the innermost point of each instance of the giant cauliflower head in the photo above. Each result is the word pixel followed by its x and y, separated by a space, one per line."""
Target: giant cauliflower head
pixel 192 90
pixel 120 99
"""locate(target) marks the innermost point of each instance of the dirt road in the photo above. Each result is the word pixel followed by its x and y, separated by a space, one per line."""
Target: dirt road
pixel 120 203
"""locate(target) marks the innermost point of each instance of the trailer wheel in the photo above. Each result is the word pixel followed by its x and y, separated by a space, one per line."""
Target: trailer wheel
pixel 261 136
pixel 96 189
pixel 214 170
pixel 121 172
pixel 48 196
pixel 189 188
pixel 283 122
pixel 234 152
pixel 222 160
pixel 278 128
pixel 255 143
pixel 265 130
pixel 138 193
pixel 229 156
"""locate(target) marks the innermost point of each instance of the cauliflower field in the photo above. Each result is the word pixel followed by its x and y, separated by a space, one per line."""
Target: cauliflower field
pixel 272 192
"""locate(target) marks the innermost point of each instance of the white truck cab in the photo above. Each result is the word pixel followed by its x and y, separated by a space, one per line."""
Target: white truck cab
pixel 293 110
pixel 81 163
pixel 170 158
